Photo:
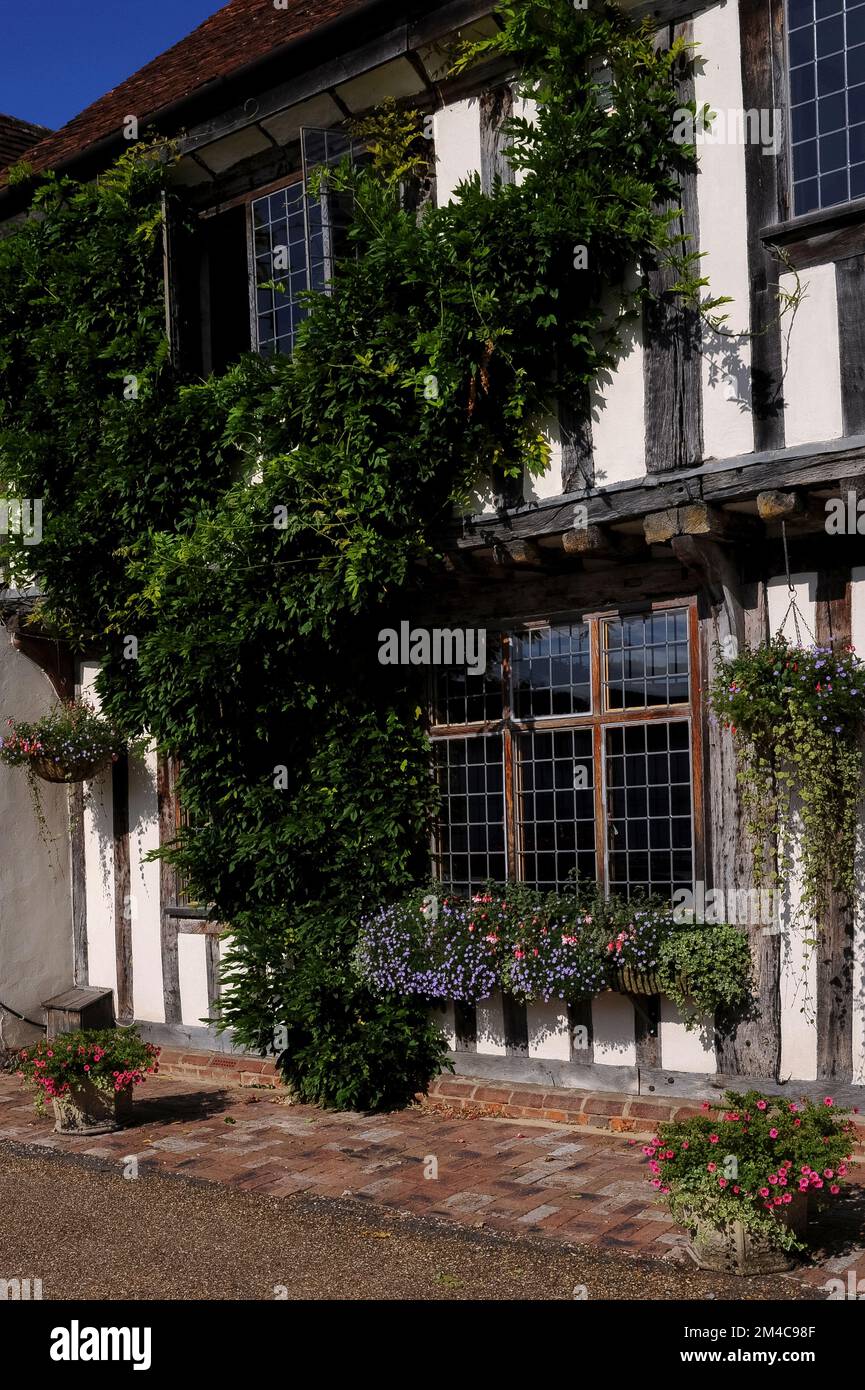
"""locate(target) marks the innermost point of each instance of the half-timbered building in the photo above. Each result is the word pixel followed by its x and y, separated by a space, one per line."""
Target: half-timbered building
pixel 684 509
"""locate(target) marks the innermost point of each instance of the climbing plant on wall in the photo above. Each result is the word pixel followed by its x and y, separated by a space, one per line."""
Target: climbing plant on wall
pixel 253 531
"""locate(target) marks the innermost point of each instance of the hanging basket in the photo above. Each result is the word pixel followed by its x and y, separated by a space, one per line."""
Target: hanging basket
pixel 77 771
pixel 629 980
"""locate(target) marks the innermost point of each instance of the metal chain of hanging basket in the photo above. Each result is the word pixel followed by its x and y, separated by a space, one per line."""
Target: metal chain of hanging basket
pixel 792 606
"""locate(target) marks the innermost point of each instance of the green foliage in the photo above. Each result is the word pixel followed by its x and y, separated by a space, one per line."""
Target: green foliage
pixel 748 1162
pixel 19 173
pixel 255 531
pixel 705 969
pixel 797 715
pixel 92 420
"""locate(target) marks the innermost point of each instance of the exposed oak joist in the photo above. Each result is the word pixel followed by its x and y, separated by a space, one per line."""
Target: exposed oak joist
pixel 696 519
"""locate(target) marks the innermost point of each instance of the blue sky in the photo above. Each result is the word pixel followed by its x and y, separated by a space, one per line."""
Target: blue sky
pixel 56 56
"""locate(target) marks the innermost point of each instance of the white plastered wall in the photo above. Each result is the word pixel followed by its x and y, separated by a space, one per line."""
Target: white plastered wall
pixel 727 420
pixel 144 890
pixel 812 381
pixel 99 864
pixel 618 415
pixel 35 893
pixel 192 968
pixel 798 960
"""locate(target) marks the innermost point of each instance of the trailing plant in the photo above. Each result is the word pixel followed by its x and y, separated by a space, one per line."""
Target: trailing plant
pixel 256 530
pixel 114 1060
pixel 748 1162
pixel 706 968
pixel 796 714
pixel 570 946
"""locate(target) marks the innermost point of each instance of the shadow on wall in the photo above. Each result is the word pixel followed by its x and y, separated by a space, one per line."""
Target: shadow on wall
pixel 35 892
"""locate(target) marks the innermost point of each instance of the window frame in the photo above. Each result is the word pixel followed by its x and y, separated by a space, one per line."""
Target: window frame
pixel 249 200
pixel 298 176
pixel 598 719
pixel 789 212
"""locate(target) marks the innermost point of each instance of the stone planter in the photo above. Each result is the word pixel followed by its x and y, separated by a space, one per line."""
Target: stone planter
pixel 735 1250
pixel 86 1110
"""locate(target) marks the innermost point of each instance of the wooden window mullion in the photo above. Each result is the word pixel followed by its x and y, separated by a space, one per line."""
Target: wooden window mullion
pixel 511 836
pixel 597 678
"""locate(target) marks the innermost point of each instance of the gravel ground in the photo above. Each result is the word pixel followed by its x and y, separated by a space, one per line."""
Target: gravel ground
pixel 88 1233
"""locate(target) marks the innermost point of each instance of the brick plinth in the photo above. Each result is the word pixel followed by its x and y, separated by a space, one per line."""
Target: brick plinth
pixel 472 1096
pixel 229 1070
pixel 638 1115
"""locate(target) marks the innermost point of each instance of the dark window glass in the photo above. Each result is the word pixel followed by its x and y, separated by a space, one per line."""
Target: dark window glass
pixel 551 797
pixel 470 834
pixel 550 667
pixel 826 53
pixel 462 698
pixel 646 660
pixel 556 806
pixel 649 824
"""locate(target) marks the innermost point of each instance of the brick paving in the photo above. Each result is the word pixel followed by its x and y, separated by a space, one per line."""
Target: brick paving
pixel 569 1183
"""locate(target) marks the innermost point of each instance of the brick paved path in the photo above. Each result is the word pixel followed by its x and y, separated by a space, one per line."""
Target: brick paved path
pixel 568 1183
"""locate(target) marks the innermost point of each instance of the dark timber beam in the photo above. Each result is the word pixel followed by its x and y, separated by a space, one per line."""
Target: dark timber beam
pixel 763 69
pixel 850 295
pixel 672 358
pixel 719 482
pixel 166 776
pixel 78 884
pixel 122 893
pixel 835 992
